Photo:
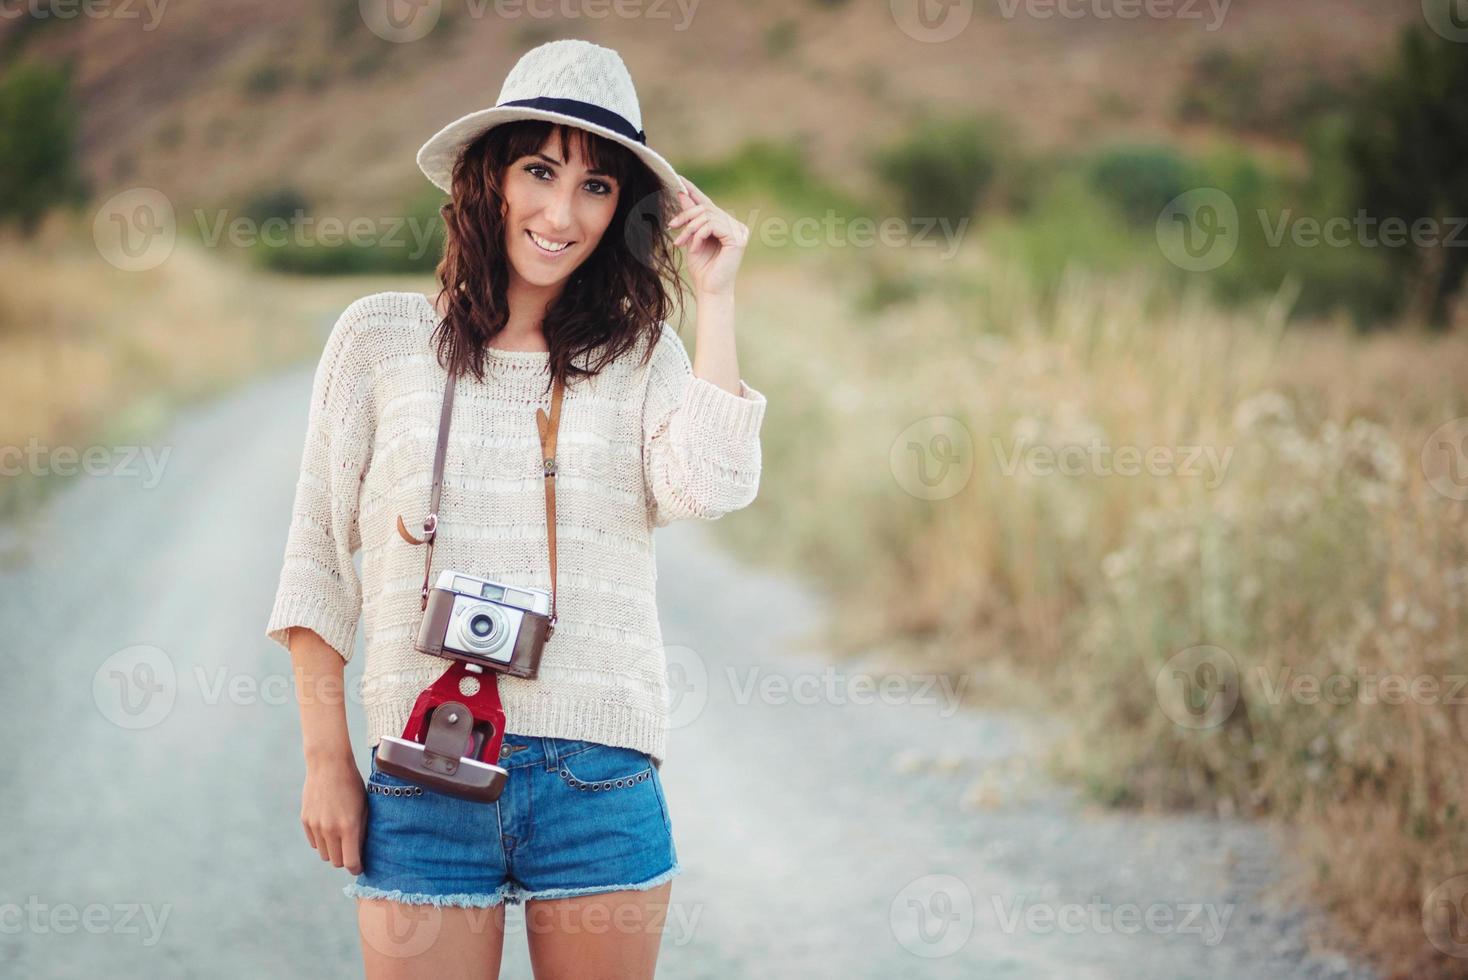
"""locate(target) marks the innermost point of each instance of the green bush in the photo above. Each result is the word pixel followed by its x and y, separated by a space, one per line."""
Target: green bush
pixel 946 167
pixel 1408 140
pixel 1099 213
pixel 403 248
pixel 265 79
pixel 1140 180
pixel 280 202
pixel 1256 91
pixel 1225 87
pixel 38 127
pixel 778 172
pixel 1070 225
pixel 781 37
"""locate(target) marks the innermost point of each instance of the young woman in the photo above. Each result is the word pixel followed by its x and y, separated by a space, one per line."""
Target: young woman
pixel 558 264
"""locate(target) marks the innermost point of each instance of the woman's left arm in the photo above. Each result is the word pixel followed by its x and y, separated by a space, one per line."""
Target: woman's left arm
pixel 715 243
pixel 701 421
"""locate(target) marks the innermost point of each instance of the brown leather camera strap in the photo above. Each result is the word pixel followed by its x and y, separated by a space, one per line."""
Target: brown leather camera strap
pixel 549 427
pixel 430 523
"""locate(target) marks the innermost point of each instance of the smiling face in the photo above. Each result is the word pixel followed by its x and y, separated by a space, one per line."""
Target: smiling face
pixel 556 211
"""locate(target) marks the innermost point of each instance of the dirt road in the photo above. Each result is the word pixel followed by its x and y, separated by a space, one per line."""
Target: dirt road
pixel 152 772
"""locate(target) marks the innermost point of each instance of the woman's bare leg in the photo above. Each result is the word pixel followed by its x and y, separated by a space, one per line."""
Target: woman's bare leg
pixel 416 942
pixel 609 935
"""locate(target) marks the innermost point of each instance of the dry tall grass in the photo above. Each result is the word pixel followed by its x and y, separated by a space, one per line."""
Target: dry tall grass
pixel 90 353
pixel 1320 554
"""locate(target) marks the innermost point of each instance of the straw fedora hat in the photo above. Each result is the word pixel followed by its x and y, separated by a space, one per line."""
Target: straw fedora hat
pixel 567 81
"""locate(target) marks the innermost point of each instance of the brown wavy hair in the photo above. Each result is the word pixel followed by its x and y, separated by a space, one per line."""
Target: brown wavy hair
pixel 618 296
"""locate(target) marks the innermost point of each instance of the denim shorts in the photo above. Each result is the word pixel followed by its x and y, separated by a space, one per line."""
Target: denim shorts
pixel 575 818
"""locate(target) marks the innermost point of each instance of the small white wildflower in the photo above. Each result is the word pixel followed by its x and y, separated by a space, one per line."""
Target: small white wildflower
pixel 1421 618
pixel 1117 564
pixel 1370 450
pixel 1267 409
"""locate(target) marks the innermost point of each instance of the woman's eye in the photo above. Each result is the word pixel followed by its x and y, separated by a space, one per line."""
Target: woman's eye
pixel 535 170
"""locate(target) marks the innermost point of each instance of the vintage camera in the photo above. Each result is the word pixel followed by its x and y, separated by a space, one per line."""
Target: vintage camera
pixel 478 621
pixel 457 725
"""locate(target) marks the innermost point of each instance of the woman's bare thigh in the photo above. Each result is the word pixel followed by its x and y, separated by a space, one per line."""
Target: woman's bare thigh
pixel 611 934
pixel 409 942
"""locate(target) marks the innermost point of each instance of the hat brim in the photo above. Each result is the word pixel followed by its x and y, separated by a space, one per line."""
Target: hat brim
pixel 436 158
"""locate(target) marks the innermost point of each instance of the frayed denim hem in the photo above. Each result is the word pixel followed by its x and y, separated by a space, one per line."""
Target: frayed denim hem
pixel 462 899
pixel 520 895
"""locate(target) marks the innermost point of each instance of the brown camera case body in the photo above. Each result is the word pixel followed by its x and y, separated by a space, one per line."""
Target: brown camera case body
pixel 524 661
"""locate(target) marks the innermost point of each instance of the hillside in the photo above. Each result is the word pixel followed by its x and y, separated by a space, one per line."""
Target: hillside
pixel 213 96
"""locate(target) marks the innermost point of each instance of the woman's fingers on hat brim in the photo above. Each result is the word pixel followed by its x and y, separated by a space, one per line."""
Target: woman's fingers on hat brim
pixel 693 191
pixel 686 214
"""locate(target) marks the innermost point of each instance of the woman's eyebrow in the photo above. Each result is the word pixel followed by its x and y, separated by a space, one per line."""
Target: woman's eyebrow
pixel 561 163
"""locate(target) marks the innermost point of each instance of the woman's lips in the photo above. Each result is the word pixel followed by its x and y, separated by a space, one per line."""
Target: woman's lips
pixel 546 252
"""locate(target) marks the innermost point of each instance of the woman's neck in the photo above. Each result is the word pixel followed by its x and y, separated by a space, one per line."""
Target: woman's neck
pixel 521 334
pixel 528 303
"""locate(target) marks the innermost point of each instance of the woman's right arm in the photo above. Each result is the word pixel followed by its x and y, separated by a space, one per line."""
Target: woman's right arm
pixel 319 598
pixel 334 798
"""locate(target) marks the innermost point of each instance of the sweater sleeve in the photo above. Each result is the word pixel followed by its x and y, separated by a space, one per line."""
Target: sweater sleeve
pixel 700 443
pixel 319 587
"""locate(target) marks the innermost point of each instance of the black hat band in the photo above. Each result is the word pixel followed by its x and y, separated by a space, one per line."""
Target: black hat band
pixel 585 111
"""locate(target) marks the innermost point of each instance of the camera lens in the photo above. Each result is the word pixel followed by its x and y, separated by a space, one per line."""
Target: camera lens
pixel 483 628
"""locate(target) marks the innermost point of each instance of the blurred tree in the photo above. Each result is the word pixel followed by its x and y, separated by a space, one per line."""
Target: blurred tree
pixel 1407 145
pixel 38 125
pixel 1141 180
pixel 944 167
pixel 278 202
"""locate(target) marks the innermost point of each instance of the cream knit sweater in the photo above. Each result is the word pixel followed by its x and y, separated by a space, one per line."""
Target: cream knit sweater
pixel 639 447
